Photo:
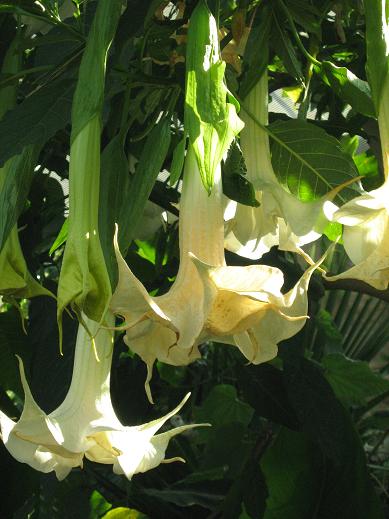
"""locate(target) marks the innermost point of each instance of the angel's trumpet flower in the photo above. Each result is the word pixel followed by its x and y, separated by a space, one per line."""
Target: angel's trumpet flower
pixel 242 306
pixel 85 424
pixel 366 217
pixel 281 219
pixel 84 283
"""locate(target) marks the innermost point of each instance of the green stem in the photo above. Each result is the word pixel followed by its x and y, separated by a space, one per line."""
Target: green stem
pixel 297 36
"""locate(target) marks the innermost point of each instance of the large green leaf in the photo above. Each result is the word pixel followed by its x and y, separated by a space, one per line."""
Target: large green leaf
pixel 124 513
pixel 37 118
pixel 248 489
pixel 305 485
pixel 114 190
pixel 150 164
pixel 256 52
pixel 348 87
pixel 283 46
pixel 306 15
pixel 353 381
pixel 263 388
pixel 336 473
pixel 293 488
pixel 319 412
pixel 308 161
pixel 223 406
pixel 15 188
pixel 211 120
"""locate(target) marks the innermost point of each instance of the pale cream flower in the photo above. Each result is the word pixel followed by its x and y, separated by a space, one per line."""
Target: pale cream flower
pixel 366 220
pixel 208 301
pixel 85 424
pixel 281 218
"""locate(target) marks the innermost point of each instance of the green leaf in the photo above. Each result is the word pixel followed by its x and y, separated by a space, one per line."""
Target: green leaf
pixel 283 46
pixel 177 162
pixel 367 164
pixel 150 164
pixel 377 47
pixel 211 121
pixel 306 15
pixel 337 474
pixel 238 188
pixel 229 453
pixel 114 194
pixel 315 404
pixel 123 513
pixel 303 484
pixel 263 387
pixel 256 51
pixel 293 486
pixel 326 326
pixel 223 406
pixel 36 119
pixel 188 496
pixel 15 188
pixel 235 185
pixel 348 87
pixel 309 162
pixel 248 490
pixel 353 381
pixel 98 505
pixel 61 238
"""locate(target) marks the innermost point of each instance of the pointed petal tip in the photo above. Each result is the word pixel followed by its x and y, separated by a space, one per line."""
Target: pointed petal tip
pixel 183 402
pixel 149 366
pixel 172 460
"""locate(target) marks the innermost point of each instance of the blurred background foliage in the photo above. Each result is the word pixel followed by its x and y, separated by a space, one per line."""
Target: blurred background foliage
pixel 304 436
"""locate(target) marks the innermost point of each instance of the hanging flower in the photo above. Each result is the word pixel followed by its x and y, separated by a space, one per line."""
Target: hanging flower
pixel 281 218
pixel 366 237
pixel 366 218
pixel 242 306
pixel 85 424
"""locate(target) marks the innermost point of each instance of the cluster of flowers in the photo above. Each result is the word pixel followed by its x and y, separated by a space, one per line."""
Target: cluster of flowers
pixel 209 301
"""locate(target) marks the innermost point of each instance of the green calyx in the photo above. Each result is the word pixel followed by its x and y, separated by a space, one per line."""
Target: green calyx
pixel 211 119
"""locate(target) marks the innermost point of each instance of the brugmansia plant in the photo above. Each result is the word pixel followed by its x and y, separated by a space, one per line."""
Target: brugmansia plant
pixel 251 127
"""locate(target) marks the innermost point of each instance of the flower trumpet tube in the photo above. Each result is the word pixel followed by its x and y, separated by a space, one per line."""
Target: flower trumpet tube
pixel 242 306
pixel 85 424
pixel 281 219
pixel 84 282
pixel 366 217
pixel 166 327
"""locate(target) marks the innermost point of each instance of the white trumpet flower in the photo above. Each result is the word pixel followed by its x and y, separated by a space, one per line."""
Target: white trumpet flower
pixel 281 219
pixel 366 217
pixel 208 301
pixel 85 424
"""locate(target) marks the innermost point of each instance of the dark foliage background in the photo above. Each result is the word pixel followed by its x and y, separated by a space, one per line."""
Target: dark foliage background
pixel 304 436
